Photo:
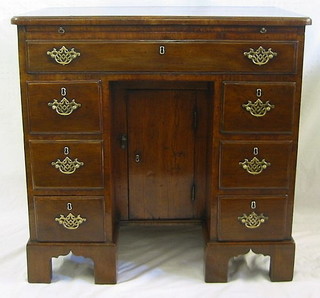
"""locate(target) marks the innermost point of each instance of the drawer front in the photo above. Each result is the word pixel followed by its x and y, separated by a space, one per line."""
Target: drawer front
pixel 69 218
pixel 255 164
pixel 258 107
pixel 250 218
pixel 64 107
pixel 126 56
pixel 66 164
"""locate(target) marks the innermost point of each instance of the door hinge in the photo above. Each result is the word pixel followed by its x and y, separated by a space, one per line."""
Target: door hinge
pixel 195 118
pixel 123 141
pixel 193 192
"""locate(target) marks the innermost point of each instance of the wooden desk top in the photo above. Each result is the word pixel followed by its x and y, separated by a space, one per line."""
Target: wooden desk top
pixel 165 15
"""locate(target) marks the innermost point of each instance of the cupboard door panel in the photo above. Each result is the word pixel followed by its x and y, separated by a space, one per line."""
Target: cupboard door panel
pixel 161 153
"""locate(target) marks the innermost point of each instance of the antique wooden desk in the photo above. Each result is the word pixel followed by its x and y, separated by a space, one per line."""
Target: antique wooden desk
pixel 166 115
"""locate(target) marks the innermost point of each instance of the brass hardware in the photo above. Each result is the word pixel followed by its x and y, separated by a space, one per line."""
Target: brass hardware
pixel 63 91
pixel 63 56
pixel 253 220
pixel 66 150
pixel 70 221
pixel 258 108
pixel 255 151
pixel 137 158
pixel 259 92
pixel 263 30
pixel 64 107
pixel 253 205
pixel 67 166
pixel 162 50
pixel 69 206
pixel 193 192
pixel 254 166
pixel 61 30
pixel 260 56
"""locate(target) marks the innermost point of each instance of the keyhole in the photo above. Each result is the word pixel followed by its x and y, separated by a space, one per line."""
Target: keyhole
pixel 162 50
pixel 137 158
pixel 253 205
pixel 63 91
pixel 69 206
pixel 66 150
pixel 255 151
pixel 259 92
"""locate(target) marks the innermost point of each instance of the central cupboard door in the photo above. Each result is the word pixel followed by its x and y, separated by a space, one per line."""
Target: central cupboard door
pixel 161 153
pixel 160 162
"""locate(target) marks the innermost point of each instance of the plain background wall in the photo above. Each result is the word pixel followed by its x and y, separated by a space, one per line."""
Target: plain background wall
pixel 12 174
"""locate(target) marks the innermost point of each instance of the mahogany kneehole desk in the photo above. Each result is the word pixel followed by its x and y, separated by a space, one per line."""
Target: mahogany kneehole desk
pixel 180 114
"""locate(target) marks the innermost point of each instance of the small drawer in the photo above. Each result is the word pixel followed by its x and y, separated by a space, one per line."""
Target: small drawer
pixel 255 164
pixel 258 107
pixel 251 218
pixel 162 55
pixel 66 164
pixel 69 218
pixel 64 107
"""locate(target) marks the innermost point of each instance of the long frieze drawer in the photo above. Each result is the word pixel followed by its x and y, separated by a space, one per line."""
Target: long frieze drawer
pixel 64 107
pixel 66 164
pixel 251 218
pixel 258 107
pixel 65 219
pixel 125 56
pixel 255 164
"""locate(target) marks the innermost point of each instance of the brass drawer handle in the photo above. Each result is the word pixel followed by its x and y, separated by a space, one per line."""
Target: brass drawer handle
pixel 70 222
pixel 260 56
pixel 258 108
pixel 63 56
pixel 64 107
pixel 67 166
pixel 253 220
pixel 254 166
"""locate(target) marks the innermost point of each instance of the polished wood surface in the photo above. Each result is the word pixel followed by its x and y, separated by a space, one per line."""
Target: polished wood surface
pixel 88 208
pixel 231 208
pixel 43 118
pixel 210 56
pixel 165 118
pixel 275 175
pixel 236 119
pixel 195 15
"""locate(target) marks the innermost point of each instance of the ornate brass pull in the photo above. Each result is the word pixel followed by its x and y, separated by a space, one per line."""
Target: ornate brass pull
pixel 254 166
pixel 260 56
pixel 67 166
pixel 253 220
pixel 63 56
pixel 64 107
pixel 258 108
pixel 70 221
